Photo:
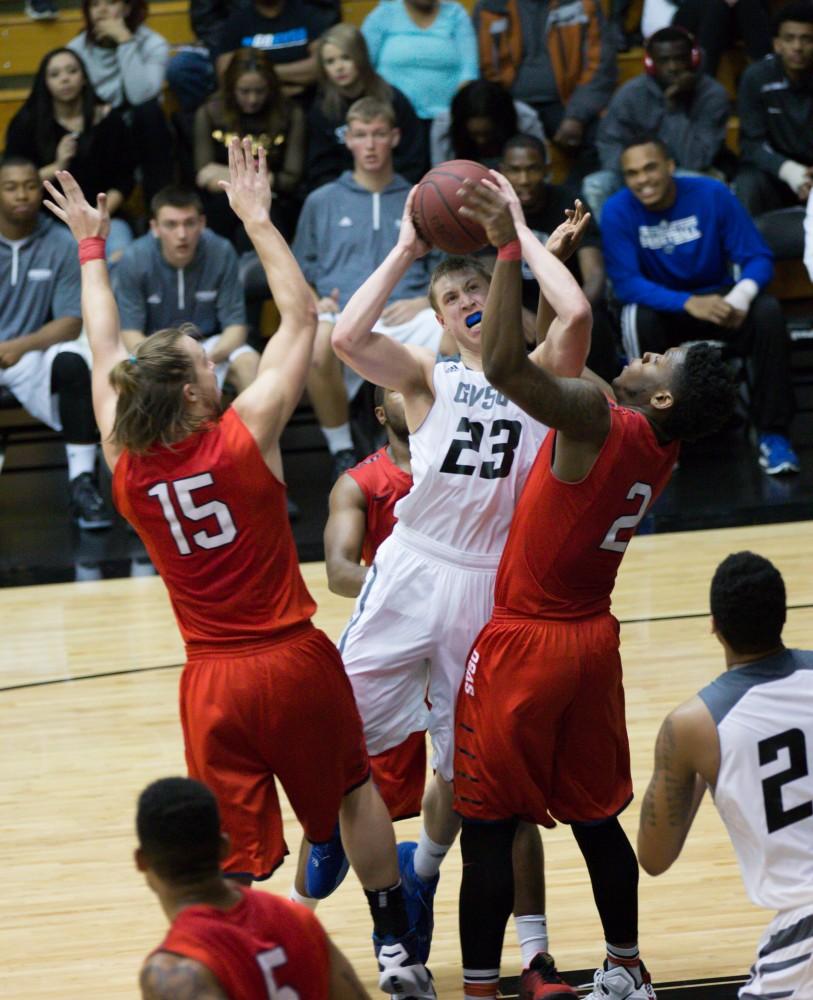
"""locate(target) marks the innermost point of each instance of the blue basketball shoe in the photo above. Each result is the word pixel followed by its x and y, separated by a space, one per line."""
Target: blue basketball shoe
pixel 327 867
pixel 419 896
pixel 400 971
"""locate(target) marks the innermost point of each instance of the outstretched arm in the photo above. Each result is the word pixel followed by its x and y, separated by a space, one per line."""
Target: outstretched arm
pixel 267 404
pixel 675 788
pixel 376 357
pixel 99 311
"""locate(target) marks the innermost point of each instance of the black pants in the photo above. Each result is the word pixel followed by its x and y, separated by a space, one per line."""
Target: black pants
pixel 70 380
pixel 762 340
pixel 715 25
pixel 776 210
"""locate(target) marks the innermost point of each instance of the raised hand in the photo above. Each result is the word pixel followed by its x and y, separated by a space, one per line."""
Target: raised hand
pixel 247 188
pixel 408 235
pixel 489 205
pixel 71 206
pixel 565 240
pixel 514 204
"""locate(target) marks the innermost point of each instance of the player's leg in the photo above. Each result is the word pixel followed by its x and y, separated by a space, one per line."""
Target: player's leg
pixel 329 398
pixel 529 892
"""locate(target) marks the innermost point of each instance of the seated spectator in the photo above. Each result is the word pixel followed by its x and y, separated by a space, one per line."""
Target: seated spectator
pixel 125 63
pixel 669 244
pixel 250 104
pixel 672 99
pixel 181 273
pixel 40 318
pixel 191 71
pixel 286 30
pixel 524 163
pixel 346 229
pixel 41 10
pixel 776 132
pixel 808 256
pixel 717 24
pixel 559 58
pixel 64 126
pixel 482 118
pixel 345 75
pixel 441 31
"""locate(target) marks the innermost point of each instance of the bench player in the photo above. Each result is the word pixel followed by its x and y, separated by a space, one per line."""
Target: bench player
pixel 225 940
pixel 430 588
pixel 748 736
pixel 540 731
pixel 263 692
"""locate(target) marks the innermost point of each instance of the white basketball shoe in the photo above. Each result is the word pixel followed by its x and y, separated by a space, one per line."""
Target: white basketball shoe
pixel 619 983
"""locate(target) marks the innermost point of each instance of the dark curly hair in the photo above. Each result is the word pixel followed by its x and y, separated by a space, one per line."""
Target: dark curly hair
pixel 798 11
pixel 748 602
pixel 704 395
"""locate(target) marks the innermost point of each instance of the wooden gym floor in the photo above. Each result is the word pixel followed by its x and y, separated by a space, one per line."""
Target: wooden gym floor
pixel 88 716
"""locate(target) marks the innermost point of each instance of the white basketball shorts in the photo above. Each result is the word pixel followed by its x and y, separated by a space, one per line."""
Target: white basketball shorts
pixel 784 962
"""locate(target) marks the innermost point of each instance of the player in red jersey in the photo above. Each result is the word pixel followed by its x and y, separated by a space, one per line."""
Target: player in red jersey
pixel 362 501
pixel 226 942
pixel 361 516
pixel 540 731
pixel 263 693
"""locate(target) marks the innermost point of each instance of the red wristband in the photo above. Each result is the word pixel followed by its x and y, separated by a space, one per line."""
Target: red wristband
pixel 91 248
pixel 510 251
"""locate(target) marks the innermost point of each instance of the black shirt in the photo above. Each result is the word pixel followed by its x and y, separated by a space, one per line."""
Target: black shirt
pixel 286 38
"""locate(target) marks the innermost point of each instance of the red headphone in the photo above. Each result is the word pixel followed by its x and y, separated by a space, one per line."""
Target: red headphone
pixel 695 54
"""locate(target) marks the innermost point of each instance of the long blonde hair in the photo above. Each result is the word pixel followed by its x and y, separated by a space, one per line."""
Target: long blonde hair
pixel 151 408
pixel 350 41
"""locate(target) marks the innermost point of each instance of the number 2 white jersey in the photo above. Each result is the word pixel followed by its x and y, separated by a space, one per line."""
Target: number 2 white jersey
pixel 764 717
pixel 470 459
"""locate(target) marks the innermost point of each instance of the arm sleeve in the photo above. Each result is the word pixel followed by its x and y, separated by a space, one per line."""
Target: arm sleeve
pixel 204 150
pixel 697 134
pixel 410 153
pixel 117 151
pixel 67 299
pixel 289 175
pixel 129 299
pixel 305 246
pixel 809 237
pixel 374 30
pixel 466 43
pixel 755 146
pixel 599 70
pixel 743 243
pixel 624 269
pixel 231 303
pixel 143 62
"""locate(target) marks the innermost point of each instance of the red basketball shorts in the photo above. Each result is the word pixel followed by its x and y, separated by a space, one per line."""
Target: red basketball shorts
pixel 540 731
pixel 274 711
pixel 400 775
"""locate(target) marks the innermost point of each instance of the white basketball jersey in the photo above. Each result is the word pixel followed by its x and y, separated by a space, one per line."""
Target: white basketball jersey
pixel 764 717
pixel 470 459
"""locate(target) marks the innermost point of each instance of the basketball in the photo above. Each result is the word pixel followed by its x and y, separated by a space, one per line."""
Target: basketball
pixel 435 211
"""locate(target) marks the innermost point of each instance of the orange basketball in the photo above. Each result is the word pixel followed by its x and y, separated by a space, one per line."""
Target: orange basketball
pixel 435 209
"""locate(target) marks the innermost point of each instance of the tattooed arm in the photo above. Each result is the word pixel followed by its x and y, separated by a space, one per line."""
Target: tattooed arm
pixel 344 983
pixel 687 756
pixel 170 977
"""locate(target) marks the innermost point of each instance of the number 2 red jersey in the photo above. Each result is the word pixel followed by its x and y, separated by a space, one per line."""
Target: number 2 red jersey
pixel 215 524
pixel 383 483
pixel 567 540
pixel 257 948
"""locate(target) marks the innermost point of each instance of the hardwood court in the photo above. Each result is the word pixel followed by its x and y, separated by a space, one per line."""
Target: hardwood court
pixel 88 716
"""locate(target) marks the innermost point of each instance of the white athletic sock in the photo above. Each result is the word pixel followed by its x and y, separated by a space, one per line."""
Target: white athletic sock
pixel 480 984
pixel 532 932
pixel 428 856
pixel 296 897
pixel 338 438
pixel 81 458
pixel 629 958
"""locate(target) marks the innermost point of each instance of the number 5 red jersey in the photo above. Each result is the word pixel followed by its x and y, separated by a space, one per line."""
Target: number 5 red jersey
pixel 567 540
pixel 215 524
pixel 263 947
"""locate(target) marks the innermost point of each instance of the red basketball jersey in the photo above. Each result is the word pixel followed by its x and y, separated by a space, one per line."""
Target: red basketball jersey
pixel 256 948
pixel 567 540
pixel 383 484
pixel 214 521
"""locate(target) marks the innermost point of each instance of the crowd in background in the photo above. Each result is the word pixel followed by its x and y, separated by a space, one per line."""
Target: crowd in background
pixel 685 228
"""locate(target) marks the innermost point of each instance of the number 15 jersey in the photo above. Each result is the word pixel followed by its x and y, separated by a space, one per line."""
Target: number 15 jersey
pixel 470 459
pixel 215 524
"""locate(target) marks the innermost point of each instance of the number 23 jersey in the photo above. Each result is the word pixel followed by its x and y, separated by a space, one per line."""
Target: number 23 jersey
pixel 567 540
pixel 214 521
pixel 470 459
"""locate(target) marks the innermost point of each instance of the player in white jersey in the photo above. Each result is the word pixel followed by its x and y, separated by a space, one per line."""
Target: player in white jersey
pixel 749 737
pixel 430 589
